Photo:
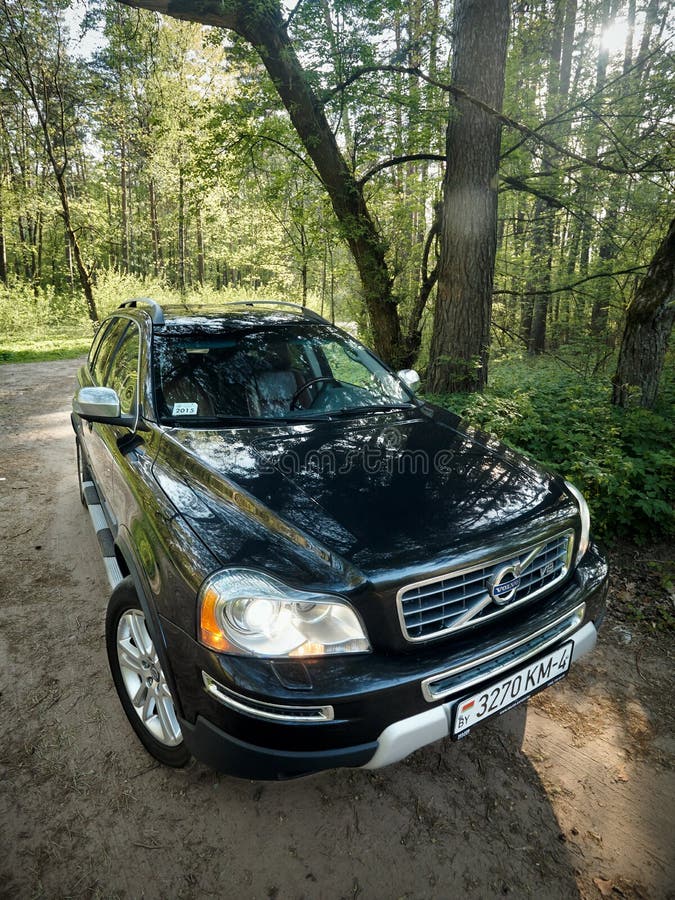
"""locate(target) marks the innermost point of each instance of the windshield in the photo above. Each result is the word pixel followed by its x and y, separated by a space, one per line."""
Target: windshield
pixel 288 373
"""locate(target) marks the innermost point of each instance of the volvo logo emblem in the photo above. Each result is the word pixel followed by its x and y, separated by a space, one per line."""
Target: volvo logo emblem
pixel 504 584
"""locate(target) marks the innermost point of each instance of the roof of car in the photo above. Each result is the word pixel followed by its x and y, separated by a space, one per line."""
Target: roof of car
pixel 240 312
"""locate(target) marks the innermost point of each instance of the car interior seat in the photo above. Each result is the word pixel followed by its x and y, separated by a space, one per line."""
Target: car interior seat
pixel 274 385
pixel 191 383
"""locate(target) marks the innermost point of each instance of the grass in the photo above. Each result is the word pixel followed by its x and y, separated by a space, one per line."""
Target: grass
pixel 56 344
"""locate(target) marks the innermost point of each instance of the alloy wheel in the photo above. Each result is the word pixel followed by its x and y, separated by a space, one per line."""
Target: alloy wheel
pixel 144 679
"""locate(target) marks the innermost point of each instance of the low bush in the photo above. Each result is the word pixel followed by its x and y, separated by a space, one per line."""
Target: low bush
pixel 622 460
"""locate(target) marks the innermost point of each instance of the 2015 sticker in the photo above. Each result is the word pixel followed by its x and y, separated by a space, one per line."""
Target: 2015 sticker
pixel 184 409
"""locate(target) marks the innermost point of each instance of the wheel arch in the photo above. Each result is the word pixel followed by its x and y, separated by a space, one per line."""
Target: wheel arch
pixel 133 578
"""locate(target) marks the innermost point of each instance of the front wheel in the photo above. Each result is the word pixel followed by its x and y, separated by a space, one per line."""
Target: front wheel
pixel 140 680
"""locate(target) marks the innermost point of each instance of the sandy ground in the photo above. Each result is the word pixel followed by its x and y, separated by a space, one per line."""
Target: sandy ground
pixel 585 808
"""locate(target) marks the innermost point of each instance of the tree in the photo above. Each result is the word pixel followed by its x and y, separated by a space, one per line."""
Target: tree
pixel 649 322
pixel 461 334
pixel 543 227
pixel 261 24
pixel 41 68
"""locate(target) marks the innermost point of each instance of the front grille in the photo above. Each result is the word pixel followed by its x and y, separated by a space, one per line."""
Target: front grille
pixel 437 606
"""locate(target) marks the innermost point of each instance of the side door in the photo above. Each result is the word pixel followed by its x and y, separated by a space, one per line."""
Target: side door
pixel 123 376
pixel 94 435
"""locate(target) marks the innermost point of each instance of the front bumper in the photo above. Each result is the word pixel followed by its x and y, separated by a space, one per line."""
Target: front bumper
pixel 383 707
pixel 400 739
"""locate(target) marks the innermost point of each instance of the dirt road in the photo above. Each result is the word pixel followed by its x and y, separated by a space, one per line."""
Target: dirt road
pixel 585 808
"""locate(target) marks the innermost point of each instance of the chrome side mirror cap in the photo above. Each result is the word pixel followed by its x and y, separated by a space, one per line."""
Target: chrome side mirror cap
pixel 101 404
pixel 409 377
pixel 96 403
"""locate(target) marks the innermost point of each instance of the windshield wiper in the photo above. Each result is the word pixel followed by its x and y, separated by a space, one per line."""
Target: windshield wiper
pixel 236 421
pixel 222 421
pixel 359 410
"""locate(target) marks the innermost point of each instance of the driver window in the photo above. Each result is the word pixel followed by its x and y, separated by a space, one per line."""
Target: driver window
pixel 106 350
pixel 123 376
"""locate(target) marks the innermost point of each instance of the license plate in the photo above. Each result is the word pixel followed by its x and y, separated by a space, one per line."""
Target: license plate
pixel 510 691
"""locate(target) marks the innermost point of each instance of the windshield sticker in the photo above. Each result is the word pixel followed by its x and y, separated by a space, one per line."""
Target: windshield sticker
pixel 184 409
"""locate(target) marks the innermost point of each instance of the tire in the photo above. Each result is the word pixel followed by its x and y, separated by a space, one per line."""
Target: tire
pixel 83 473
pixel 139 679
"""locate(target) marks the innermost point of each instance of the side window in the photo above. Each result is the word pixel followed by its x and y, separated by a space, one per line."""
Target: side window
pixel 96 343
pixel 123 376
pixel 106 349
pixel 345 364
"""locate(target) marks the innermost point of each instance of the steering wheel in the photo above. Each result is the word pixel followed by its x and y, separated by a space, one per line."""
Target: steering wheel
pixel 308 384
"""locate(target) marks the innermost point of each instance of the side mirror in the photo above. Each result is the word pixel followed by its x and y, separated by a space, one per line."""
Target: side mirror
pixel 101 404
pixel 409 377
pixel 96 402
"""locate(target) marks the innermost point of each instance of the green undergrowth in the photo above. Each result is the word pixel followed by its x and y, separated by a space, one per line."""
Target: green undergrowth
pixel 622 460
pixel 44 325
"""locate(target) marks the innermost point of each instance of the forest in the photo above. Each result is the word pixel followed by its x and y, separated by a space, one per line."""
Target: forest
pixel 481 189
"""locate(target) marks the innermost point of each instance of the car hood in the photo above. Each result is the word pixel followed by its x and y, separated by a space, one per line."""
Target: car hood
pixel 383 491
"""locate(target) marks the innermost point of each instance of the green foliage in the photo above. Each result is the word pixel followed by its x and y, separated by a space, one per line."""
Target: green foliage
pixel 622 460
pixel 43 325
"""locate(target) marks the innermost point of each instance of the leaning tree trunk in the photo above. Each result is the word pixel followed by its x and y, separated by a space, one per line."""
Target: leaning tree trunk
pixel 649 321
pixel 83 272
pixel 262 25
pixel 461 335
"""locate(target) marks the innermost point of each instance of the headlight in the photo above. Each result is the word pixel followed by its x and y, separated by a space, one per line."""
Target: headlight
pixel 252 614
pixel 585 516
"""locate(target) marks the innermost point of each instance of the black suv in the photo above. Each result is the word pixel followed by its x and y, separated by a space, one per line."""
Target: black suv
pixel 311 567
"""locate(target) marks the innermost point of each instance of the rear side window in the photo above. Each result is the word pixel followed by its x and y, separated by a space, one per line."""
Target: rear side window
pixel 123 375
pixel 106 349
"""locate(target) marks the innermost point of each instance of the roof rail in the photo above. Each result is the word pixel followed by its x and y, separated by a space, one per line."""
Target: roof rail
pixel 295 306
pixel 152 308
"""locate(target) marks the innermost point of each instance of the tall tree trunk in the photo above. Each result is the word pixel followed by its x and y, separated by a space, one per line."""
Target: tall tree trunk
pixel 608 250
pixel 22 245
pixel 649 322
pixel 124 206
pixel 3 246
pixel 630 31
pixel 37 279
pixel 67 246
pixel 651 19
pixel 304 262
pixel 262 25
pixel 428 279
pixel 461 336
pixel 542 251
pixel 200 246
pixel 154 228
pixel 181 233
pixel 110 243
pixel 543 232
pixel 324 270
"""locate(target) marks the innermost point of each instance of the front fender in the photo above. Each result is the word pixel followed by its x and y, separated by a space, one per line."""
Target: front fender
pixel 124 547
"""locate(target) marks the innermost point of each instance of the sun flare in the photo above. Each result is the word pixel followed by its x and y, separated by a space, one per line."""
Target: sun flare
pixel 613 37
